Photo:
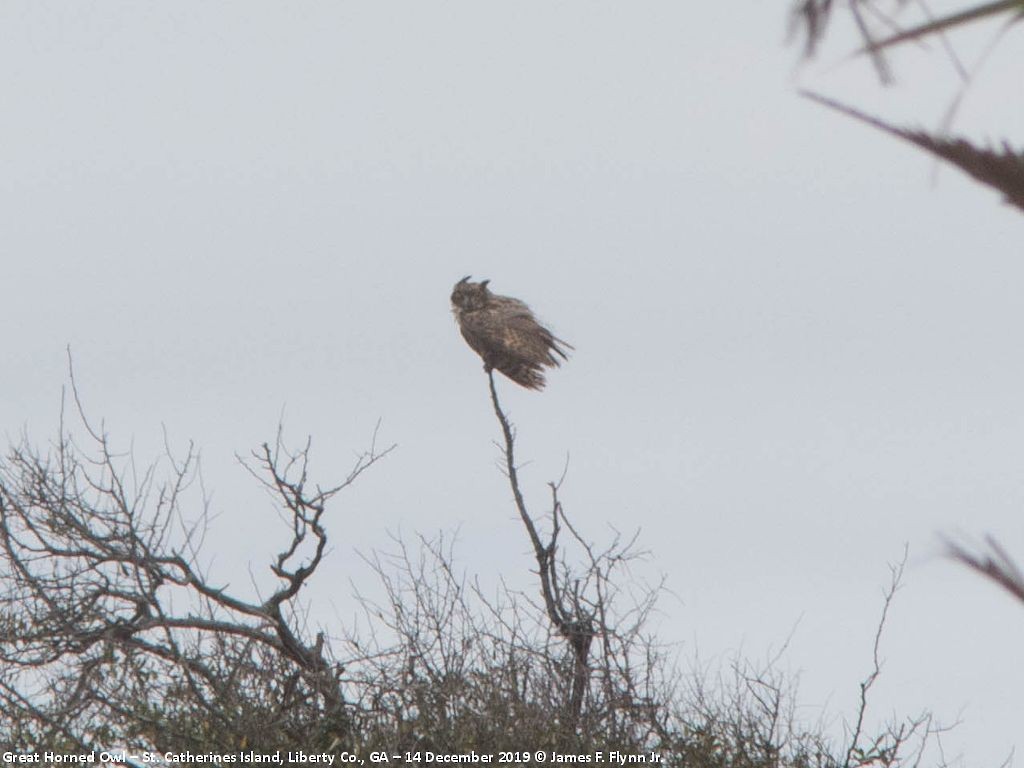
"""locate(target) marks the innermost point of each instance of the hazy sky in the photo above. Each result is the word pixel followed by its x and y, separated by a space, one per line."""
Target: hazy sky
pixel 796 350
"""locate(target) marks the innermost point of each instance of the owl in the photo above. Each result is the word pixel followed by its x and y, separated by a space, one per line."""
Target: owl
pixel 504 332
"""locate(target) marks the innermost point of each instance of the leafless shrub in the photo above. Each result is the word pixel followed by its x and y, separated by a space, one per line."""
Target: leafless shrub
pixel 444 665
pixel 112 633
pixel 578 601
pixel 745 715
pixel 900 742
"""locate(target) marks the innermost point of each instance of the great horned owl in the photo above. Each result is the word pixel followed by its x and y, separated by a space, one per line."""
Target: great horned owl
pixel 504 332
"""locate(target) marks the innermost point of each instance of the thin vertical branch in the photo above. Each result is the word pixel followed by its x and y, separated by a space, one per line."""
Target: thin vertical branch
pixel 575 625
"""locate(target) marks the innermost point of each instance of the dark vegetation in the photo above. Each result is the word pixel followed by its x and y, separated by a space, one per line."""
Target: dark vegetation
pixel 113 635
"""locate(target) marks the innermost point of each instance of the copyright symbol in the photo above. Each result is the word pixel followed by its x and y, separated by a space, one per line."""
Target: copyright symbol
pixel 540 755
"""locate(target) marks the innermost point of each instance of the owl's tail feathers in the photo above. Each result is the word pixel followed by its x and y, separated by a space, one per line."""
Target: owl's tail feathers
pixel 559 347
pixel 525 375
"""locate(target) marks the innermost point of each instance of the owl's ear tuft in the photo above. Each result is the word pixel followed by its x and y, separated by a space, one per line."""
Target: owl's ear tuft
pixel 464 280
pixel 483 283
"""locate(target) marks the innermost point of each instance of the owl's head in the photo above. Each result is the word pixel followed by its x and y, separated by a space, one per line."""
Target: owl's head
pixel 467 296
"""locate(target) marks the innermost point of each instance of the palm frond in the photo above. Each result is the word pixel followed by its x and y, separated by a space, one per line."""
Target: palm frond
pixel 1001 169
pixel 1015 8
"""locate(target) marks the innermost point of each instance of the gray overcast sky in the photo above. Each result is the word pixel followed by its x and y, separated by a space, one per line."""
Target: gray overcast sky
pixel 795 352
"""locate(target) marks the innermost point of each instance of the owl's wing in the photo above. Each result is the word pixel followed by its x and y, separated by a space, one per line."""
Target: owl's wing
pixel 533 342
pixel 508 338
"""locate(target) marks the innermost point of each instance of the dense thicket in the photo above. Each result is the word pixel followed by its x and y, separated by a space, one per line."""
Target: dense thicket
pixel 113 635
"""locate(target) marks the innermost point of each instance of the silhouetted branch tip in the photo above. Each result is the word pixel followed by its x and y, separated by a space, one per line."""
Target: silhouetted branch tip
pixel 995 565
